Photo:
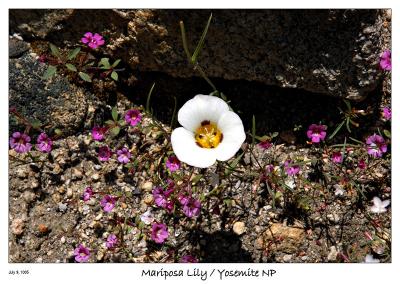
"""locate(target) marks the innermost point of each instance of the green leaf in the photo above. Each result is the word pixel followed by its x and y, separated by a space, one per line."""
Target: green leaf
pixel 116 62
pixel 115 130
pixel 36 124
pixel 50 72
pixel 148 98
pixel 114 113
pixel 387 133
pixel 337 130
pixel 71 67
pixel 74 53
pixel 275 134
pixel 253 129
pixel 223 96
pixel 85 77
pixel 105 63
pixel 201 41
pixel 114 76
pixel 55 51
pixel 58 131
pixel 173 114
pixel 196 178
pixel 110 122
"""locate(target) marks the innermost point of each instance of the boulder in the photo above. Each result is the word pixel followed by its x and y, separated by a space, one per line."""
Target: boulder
pixel 333 52
pixel 56 103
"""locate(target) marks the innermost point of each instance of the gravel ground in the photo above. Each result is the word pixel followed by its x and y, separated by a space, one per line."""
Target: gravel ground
pixel 247 214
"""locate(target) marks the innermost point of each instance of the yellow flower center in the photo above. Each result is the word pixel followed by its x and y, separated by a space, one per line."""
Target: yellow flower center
pixel 208 135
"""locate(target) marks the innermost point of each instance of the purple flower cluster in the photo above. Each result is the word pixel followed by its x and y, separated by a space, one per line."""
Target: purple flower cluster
pixel 20 142
pixel 187 258
pixel 92 40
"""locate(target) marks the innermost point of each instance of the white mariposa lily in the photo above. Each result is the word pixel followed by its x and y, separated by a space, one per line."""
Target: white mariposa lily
pixel 210 132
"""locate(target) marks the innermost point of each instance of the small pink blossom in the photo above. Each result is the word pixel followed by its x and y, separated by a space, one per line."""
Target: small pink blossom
pixel 82 254
pixel 123 155
pixel 44 143
pixel 362 165
pixel 108 203
pixel 187 258
pixel 386 60
pixel 20 142
pixel 133 117
pixel 387 113
pixel 337 157
pixel 98 133
pixel 173 164
pixel 191 207
pixel 87 193
pixel 159 233
pixel 291 169
pixel 316 132
pixel 104 153
pixel 93 41
pixel 376 146
pixel 112 240
pixel 266 144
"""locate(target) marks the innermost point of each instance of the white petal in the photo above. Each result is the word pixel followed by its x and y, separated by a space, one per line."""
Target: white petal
pixel 377 201
pixel 375 209
pixel 201 108
pixel 185 148
pixel 232 129
pixel 385 203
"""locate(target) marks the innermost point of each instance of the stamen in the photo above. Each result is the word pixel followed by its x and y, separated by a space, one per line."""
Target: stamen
pixel 208 135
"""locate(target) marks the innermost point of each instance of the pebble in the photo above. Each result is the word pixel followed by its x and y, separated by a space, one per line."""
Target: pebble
pixel 259 243
pixel 97 167
pixel 147 186
pixel 334 217
pixel 148 199
pixel 62 207
pixel 77 173
pixel 29 196
pixel 287 257
pixel 70 193
pixel 332 255
pixel 239 228
pixel 62 240
pixel 98 217
pixel 17 227
pixel 95 177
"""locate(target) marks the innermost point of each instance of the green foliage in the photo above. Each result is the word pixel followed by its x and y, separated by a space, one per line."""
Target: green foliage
pixel 71 67
pixel 55 51
pixel 50 72
pixel 149 97
pixel 73 53
pixel 114 75
pixel 85 77
pixel 201 42
pixel 114 113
